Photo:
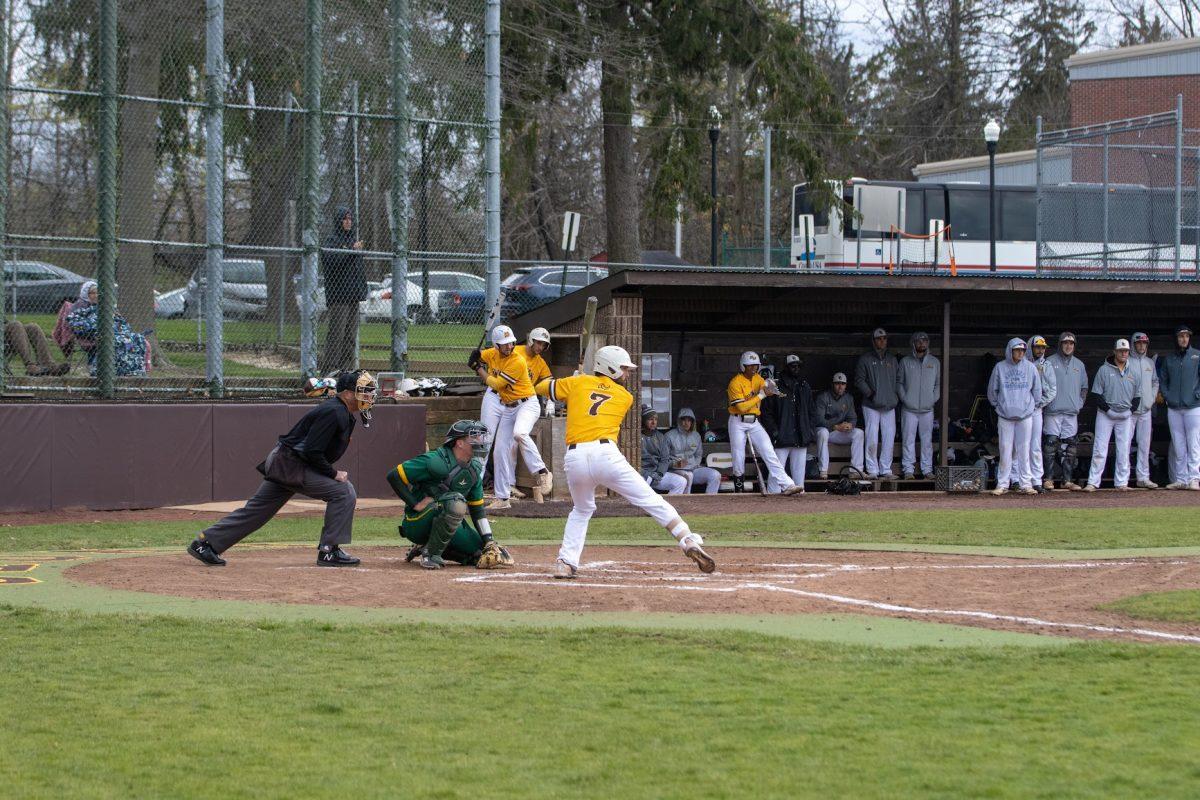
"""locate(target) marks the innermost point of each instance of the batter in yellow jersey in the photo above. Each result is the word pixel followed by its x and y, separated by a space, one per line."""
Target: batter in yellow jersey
pixel 508 374
pixel 539 370
pixel 596 405
pixel 743 393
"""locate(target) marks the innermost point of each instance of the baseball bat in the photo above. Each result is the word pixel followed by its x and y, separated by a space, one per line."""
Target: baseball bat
pixel 493 316
pixel 762 485
pixel 587 358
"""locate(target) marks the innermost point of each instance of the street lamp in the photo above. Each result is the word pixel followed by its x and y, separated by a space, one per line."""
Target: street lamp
pixel 991 135
pixel 714 133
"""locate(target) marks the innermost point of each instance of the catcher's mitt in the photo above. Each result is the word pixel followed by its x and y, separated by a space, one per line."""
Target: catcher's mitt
pixel 494 557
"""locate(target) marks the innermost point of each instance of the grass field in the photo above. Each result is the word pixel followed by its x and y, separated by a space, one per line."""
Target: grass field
pixel 161 706
pixel 1180 606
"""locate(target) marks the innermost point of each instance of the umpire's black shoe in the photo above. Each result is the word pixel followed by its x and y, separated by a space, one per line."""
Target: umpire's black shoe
pixel 202 551
pixel 335 557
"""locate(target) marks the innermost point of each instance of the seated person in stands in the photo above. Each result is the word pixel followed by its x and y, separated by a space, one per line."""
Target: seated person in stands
pixel 68 341
pixel 687 453
pixel 130 350
pixel 656 457
pixel 29 343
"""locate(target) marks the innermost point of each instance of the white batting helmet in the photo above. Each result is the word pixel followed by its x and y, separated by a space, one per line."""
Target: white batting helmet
pixel 750 358
pixel 502 334
pixel 539 335
pixel 610 359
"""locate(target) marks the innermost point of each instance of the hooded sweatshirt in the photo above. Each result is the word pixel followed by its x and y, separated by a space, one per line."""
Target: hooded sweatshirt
pixel 1014 388
pixel 1118 387
pixel 1179 378
pixel 1045 374
pixel 1146 368
pixel 875 376
pixel 687 446
pixel 920 382
pixel 656 456
pixel 345 278
pixel 1071 384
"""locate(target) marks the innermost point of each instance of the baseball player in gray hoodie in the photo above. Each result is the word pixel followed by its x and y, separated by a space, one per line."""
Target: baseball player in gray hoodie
pixel 875 377
pixel 1060 419
pixel 687 454
pixel 1037 355
pixel 1014 390
pixel 919 387
pixel 1116 391
pixel 1146 367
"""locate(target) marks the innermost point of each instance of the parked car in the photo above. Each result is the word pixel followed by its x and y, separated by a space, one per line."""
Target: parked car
pixel 35 287
pixel 170 305
pixel 528 288
pixel 243 294
pixel 378 305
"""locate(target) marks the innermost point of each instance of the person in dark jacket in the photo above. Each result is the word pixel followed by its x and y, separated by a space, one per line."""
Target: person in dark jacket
pixel 303 461
pixel 345 288
pixel 1179 382
pixel 876 376
pixel 788 418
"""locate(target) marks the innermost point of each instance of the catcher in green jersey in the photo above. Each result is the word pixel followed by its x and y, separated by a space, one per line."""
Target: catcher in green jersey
pixel 440 489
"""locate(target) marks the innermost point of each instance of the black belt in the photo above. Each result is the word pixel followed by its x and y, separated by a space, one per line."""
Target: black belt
pixel 751 417
pixel 601 441
pixel 514 403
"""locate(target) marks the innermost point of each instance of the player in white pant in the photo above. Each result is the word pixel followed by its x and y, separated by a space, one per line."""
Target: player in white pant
pixel 746 392
pixel 687 454
pixel 1014 390
pixel 794 460
pixel 876 376
pixel 596 404
pixel 1179 382
pixel 1116 390
pixel 881 439
pixel 1014 454
pixel 1146 367
pixel 1037 355
pixel 835 422
pixel 656 457
pixel 706 477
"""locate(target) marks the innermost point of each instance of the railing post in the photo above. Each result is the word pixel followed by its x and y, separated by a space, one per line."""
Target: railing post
pixel 491 155
pixel 767 198
pixel 106 198
pixel 214 194
pixel 1037 212
pixel 312 151
pixel 1178 180
pixel 401 55
pixel 3 189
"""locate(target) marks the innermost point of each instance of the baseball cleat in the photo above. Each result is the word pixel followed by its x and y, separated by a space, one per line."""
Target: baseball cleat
pixel 1029 490
pixel 517 493
pixel 999 490
pixel 203 551
pixel 1073 486
pixel 1123 488
pixel 564 570
pixel 1194 486
pixel 1048 486
pixel 432 562
pixel 908 476
pixel 1176 485
pixel 414 552
pixel 499 504
pixel 335 557
pixel 795 488
pixel 1147 484
pixel 703 560
pixel 887 476
pixel 1089 488
pixel 546 483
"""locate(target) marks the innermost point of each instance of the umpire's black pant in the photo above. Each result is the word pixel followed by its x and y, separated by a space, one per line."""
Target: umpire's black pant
pixel 339 497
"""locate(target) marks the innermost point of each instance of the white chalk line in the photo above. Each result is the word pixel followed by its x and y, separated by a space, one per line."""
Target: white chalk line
pixel 539 579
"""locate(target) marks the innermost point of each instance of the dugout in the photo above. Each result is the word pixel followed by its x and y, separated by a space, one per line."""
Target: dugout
pixel 702 319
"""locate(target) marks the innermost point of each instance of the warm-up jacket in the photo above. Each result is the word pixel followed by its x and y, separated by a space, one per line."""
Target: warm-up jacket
pixel 1117 387
pixel 688 446
pixel 831 411
pixel 920 382
pixel 1179 378
pixel 656 455
pixel 876 375
pixel 1014 388
pixel 1045 374
pixel 1146 368
pixel 1071 382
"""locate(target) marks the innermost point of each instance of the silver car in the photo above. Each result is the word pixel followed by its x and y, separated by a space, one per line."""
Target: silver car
pixel 244 292
pixel 35 287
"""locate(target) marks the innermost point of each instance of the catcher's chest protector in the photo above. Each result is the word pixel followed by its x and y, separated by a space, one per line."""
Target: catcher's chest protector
pixel 450 476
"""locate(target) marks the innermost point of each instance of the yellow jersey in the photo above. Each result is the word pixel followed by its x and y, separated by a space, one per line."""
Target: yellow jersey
pixel 508 375
pixel 539 370
pixel 595 406
pixel 743 394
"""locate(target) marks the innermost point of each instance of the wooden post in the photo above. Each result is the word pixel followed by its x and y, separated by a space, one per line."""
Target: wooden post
pixel 945 437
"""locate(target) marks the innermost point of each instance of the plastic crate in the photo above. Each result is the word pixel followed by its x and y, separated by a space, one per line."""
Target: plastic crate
pixel 968 479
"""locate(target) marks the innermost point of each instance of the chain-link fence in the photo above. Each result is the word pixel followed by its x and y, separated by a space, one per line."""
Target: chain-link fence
pixel 1125 204
pixel 228 175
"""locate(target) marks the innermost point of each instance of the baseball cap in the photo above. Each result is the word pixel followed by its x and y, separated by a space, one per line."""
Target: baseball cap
pixel 1183 329
pixel 794 359
pixel 647 411
pixel 1019 346
pixel 878 332
pixel 1039 341
pixel 1122 344
pixel 1066 336
pixel 1140 337
pixel 839 377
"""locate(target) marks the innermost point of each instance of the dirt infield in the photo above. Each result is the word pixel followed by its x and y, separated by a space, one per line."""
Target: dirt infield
pixel 811 503
pixel 1032 596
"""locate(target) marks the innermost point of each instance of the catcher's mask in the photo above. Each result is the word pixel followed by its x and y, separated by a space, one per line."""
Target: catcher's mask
pixel 472 430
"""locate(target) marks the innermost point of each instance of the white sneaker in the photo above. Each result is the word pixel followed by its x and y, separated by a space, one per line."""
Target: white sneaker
pixel 564 570
pixel 1089 488
pixel 887 476
pixel 546 483
pixel 795 488
pixel 516 494
pixel 499 505
pixel 1194 486
pixel 1029 490
pixel 1048 486
pixel 1147 484
pixel 692 549
pixel 999 490
pixel 1176 485
pixel 1125 488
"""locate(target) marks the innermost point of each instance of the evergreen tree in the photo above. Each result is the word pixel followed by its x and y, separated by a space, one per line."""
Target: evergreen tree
pixel 1048 33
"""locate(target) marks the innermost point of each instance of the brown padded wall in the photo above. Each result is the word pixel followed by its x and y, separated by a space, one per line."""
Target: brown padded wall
pixel 140 456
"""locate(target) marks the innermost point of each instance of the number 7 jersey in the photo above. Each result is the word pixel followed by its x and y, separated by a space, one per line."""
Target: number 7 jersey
pixel 595 406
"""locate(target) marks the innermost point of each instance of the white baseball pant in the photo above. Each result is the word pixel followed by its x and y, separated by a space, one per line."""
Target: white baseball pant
pixel 1142 431
pixel 592 464
pixel 1109 423
pixel 489 412
pixel 739 431
pixel 671 483
pixel 1037 468
pixel 852 437
pixel 1185 440
pixel 1064 426
pixel 881 438
pixel 1014 446
pixel 515 426
pixel 915 424
pixel 707 477
pixel 795 460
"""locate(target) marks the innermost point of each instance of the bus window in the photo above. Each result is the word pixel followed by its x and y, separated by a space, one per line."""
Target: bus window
pixel 1018 216
pixel 802 204
pixel 915 220
pixel 935 206
pixel 968 217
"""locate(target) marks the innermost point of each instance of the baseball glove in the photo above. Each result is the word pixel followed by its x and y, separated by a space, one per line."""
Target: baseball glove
pixel 494 557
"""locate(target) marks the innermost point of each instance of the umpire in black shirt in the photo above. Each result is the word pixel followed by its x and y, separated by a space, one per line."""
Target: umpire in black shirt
pixel 303 462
